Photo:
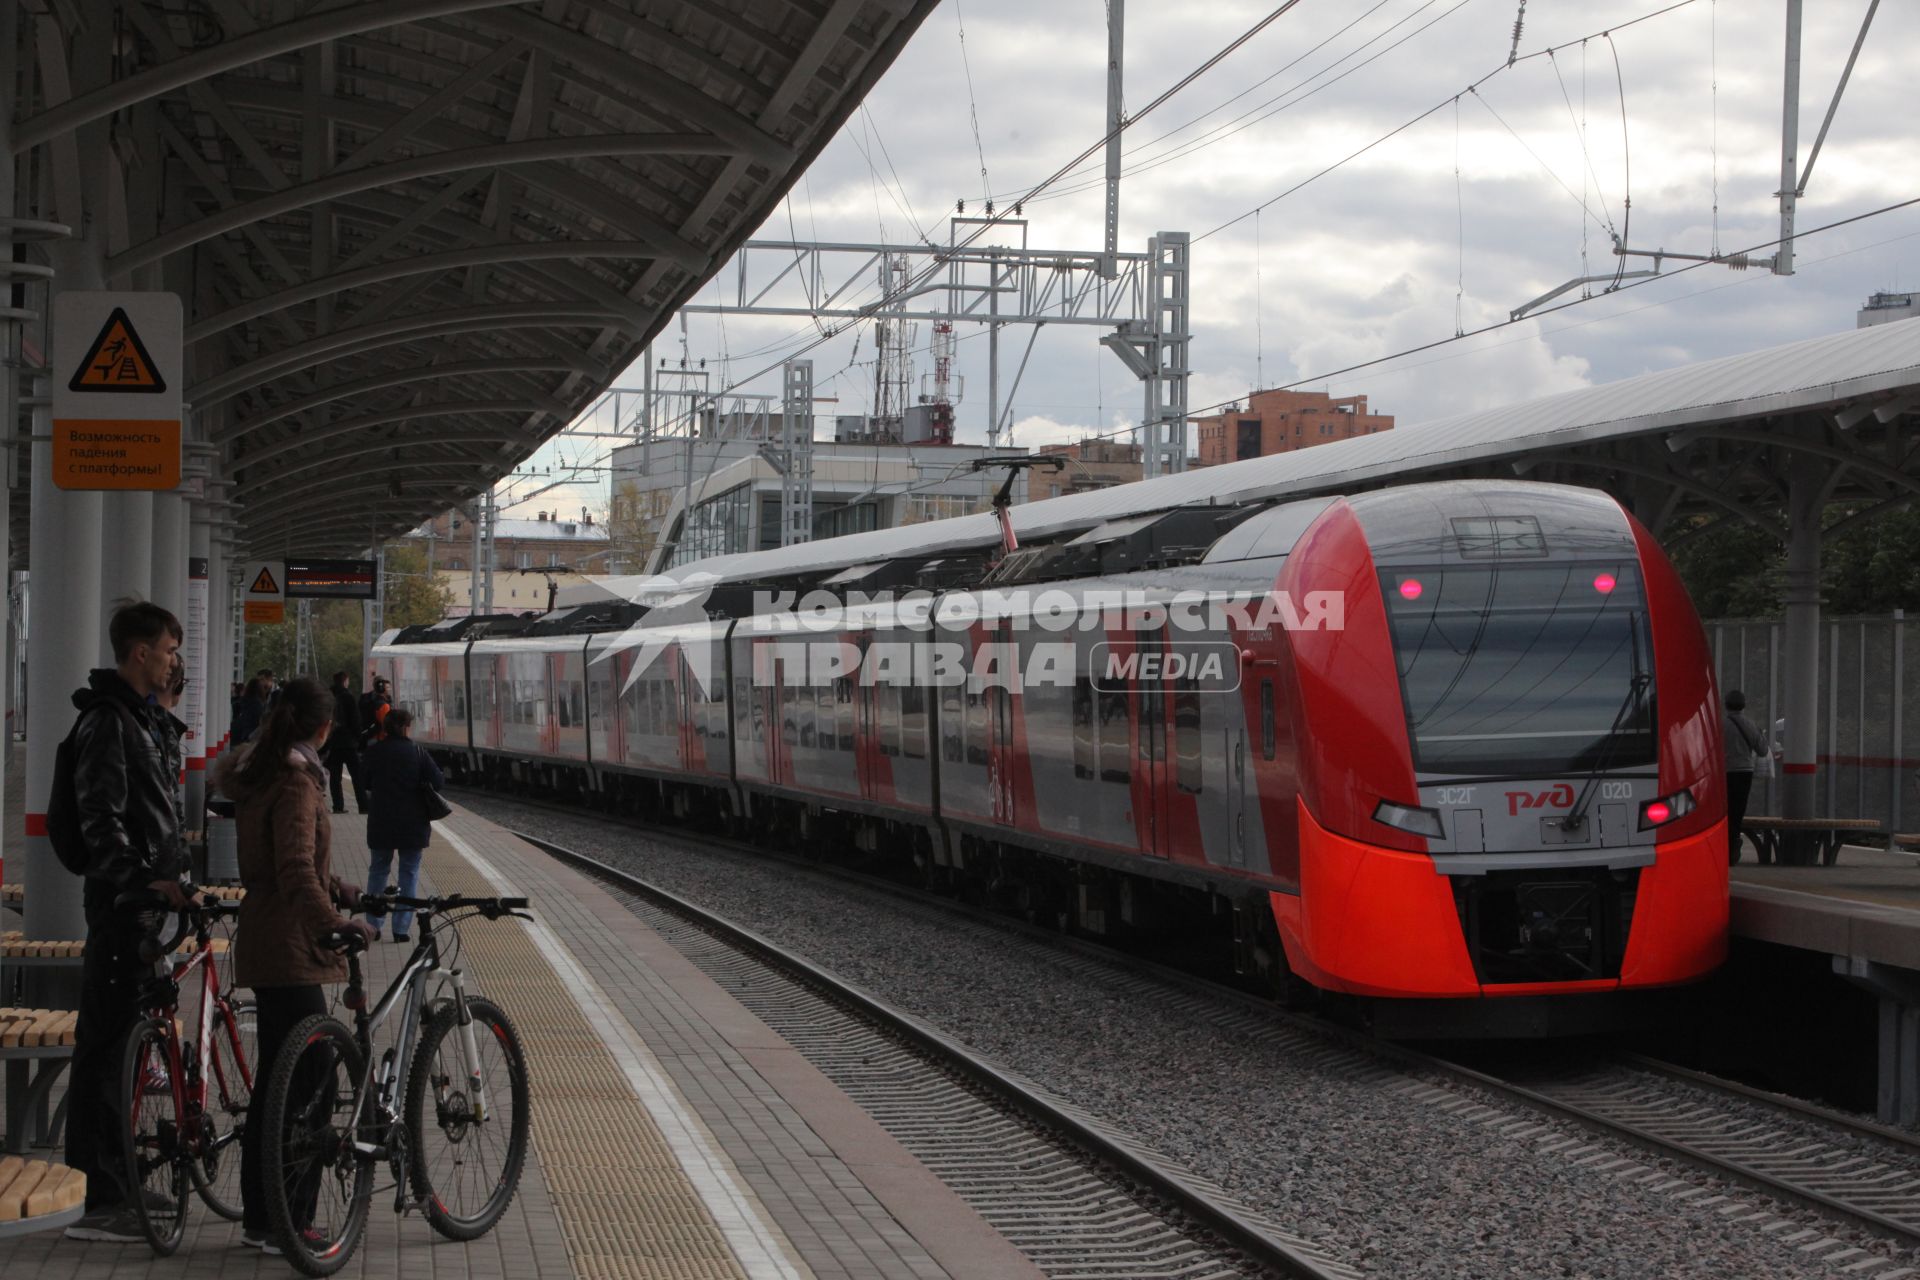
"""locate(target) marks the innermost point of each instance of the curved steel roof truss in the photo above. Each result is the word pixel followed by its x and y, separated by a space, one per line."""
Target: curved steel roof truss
pixel 424 234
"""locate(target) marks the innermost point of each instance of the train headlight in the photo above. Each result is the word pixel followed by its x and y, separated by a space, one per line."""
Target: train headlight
pixel 1659 812
pixel 1411 819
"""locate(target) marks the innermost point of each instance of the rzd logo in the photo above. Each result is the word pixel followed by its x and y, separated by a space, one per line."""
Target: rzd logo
pixel 1561 797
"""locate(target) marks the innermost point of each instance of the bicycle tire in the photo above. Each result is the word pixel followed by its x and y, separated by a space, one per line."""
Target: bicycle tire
pixel 216 1171
pixel 449 1125
pixel 150 1150
pixel 314 1078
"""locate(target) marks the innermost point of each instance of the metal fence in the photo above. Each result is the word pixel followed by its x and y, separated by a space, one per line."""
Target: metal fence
pixel 1869 731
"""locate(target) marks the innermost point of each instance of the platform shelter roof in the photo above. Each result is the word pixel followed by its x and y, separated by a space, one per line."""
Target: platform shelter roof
pixel 416 237
pixel 1714 437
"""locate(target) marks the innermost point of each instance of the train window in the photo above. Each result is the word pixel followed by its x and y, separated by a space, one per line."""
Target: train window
pixel 976 728
pixel 566 713
pixel 1083 742
pixel 1544 670
pixel 952 727
pixel 789 726
pixel 1186 735
pixel 807 715
pixel 1113 736
pixel 1266 720
pixel 913 722
pixel 573 698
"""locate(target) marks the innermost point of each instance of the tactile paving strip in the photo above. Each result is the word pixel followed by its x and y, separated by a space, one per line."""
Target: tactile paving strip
pixel 626 1207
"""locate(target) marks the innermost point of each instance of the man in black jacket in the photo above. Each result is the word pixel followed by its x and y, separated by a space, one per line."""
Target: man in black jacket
pixel 343 745
pixel 125 743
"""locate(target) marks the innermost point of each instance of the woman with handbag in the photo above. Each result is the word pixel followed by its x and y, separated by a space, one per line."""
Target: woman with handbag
pixel 1747 754
pixel 403 790
pixel 293 901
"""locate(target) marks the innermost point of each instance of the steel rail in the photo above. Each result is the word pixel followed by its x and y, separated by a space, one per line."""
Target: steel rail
pixel 1225 1221
pixel 1834 1206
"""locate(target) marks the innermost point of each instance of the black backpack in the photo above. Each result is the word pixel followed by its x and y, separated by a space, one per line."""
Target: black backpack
pixel 63 805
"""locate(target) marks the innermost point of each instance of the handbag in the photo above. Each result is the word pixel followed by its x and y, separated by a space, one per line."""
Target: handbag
pixel 435 804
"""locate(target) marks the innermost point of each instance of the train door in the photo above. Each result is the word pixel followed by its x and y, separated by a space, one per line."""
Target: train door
pixel 684 711
pixel 1003 745
pixel 1152 708
pixel 776 695
pixel 866 720
pixel 1234 735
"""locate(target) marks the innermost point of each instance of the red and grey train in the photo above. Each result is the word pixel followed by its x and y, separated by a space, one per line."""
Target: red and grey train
pixel 1450 750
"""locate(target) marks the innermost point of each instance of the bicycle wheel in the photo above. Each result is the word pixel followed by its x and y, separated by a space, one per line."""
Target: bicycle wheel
pixel 466 1168
pixel 317 1189
pixel 216 1171
pixel 152 1149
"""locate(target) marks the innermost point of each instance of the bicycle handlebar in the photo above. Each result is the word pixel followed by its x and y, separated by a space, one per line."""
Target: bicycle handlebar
pixel 208 906
pixel 492 908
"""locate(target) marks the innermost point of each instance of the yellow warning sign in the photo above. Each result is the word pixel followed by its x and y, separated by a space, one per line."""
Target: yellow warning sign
pixel 110 453
pixel 118 361
pixel 264 584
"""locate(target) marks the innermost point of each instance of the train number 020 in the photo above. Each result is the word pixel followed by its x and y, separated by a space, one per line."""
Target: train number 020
pixel 1616 791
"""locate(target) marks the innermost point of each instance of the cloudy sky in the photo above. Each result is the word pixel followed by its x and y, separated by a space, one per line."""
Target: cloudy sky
pixel 1448 224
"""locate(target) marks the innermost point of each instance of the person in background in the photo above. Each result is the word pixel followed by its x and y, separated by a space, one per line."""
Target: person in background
pixel 130 819
pixel 374 727
pixel 343 746
pixel 293 901
pixel 251 711
pixel 269 687
pixel 1744 744
pixel 394 770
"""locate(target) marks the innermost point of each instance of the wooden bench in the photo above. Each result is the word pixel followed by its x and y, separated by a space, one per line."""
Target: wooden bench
pixel 32 1038
pixel 1908 841
pixel 1799 842
pixel 36 1195
pixel 12 896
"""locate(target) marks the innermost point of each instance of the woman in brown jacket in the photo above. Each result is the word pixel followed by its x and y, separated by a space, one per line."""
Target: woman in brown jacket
pixel 279 790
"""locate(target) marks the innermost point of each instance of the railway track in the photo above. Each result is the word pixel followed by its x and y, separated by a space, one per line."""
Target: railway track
pixel 1847 1170
pixel 1079 1199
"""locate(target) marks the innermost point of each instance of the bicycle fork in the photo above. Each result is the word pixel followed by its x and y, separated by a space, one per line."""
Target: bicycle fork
pixel 470 1048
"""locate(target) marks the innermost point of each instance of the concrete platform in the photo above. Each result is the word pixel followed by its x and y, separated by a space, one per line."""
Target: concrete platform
pixel 1865 908
pixel 675 1134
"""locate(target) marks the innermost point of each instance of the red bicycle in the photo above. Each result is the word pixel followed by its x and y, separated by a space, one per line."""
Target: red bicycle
pixel 186 1100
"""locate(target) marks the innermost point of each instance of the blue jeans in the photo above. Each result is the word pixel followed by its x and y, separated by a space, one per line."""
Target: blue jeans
pixel 409 882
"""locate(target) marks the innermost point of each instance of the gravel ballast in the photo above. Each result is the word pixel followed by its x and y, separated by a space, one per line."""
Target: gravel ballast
pixel 1352 1159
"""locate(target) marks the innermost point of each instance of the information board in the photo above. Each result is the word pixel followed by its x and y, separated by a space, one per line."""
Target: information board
pixel 330 579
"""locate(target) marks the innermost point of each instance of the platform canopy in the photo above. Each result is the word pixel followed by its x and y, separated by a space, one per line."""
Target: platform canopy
pixel 416 237
pixel 1723 437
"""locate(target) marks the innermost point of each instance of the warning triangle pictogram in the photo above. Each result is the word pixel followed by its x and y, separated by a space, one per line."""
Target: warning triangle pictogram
pixel 264 584
pixel 118 361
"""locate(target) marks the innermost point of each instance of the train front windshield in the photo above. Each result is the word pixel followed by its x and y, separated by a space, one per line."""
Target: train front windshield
pixel 1537 671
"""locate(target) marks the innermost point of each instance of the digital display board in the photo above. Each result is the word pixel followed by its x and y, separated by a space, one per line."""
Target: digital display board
pixel 330 579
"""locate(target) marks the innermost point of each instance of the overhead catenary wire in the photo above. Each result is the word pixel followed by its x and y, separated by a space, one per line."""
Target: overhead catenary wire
pixel 973 107
pixel 1257 114
pixel 1416 119
pixel 915 280
pixel 1324 376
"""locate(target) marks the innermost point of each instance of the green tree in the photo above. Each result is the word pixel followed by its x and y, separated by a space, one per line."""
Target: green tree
pixel 1734 570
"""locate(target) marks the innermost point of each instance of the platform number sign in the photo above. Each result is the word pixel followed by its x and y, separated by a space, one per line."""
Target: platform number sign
pixel 116 392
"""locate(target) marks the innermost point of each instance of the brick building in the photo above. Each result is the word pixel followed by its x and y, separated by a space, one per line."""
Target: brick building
pixel 1281 421
pixel 529 556
pixel 1091 464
